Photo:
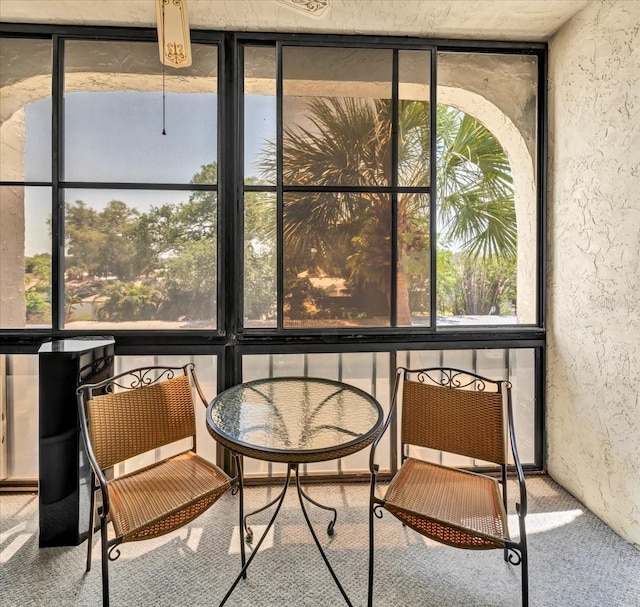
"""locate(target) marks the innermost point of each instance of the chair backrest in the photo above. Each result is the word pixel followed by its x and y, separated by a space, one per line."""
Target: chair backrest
pixel 135 420
pixel 454 411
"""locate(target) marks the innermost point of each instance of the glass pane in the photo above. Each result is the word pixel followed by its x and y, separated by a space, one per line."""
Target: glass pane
pixel 336 259
pixel 413 303
pixel 260 264
pixel 19 406
pixel 522 376
pixel 413 287
pixel 516 366
pixel 25 111
pixel 115 114
pixel 139 259
pixel 336 116
pixel 25 259
pixel 368 371
pixel 259 115
pixel 414 68
pixel 487 218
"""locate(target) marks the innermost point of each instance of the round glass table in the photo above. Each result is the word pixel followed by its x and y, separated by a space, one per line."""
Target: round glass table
pixel 294 420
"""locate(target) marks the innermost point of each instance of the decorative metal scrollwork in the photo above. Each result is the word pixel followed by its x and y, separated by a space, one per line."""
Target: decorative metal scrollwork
pixel 378 510
pixel 514 556
pixel 237 480
pixel 94 369
pixel 139 378
pixel 451 378
pixel 113 553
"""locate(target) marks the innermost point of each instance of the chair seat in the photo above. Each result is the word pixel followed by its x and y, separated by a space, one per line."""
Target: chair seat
pixel 451 506
pixel 163 497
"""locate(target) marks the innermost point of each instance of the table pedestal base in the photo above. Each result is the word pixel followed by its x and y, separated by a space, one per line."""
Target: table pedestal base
pixel 330 527
pixel 278 502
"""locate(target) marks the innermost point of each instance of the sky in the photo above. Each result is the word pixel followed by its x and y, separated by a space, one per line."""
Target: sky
pixel 117 137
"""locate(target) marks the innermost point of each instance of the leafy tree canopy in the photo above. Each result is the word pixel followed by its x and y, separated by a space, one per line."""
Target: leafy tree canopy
pixel 347 142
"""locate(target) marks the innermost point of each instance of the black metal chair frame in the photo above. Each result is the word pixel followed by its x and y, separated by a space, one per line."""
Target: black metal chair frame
pixel 515 553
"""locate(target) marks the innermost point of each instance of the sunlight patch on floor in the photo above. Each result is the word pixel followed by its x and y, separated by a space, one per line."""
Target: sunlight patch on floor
pixel 16 543
pixel 539 522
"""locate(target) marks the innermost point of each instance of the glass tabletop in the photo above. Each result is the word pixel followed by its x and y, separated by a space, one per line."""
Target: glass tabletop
pixel 294 419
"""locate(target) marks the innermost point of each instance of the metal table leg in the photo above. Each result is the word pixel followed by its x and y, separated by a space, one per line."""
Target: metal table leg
pixel 279 501
pixel 248 531
pixel 315 537
pixel 309 499
pixel 330 527
pixel 242 573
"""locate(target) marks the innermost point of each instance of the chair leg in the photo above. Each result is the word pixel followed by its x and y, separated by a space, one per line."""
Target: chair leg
pixel 370 585
pixel 243 557
pixel 92 522
pixel 524 559
pixel 105 562
pixel 525 577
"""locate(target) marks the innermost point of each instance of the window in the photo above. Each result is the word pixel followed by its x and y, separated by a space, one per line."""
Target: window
pixel 347 206
pixel 486 129
pixel 302 204
pixel 141 258
pixel 25 184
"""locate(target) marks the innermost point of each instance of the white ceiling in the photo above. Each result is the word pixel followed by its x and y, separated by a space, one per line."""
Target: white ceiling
pixel 526 20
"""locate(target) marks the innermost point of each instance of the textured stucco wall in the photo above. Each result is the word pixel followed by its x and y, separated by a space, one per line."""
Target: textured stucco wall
pixel 593 385
pixel 12 237
pixel 484 20
pixel 12 223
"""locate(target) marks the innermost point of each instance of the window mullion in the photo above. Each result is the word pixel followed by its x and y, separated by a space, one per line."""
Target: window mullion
pixel 433 192
pixel 279 192
pixel 57 163
pixel 394 184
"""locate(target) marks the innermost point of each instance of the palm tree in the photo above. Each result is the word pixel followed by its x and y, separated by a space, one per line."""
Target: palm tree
pixel 475 187
pixel 348 143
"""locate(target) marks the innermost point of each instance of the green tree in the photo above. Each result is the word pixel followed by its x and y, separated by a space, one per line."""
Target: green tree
pixel 156 264
pixel 470 285
pixel 260 287
pixel 122 301
pixel 190 282
pixel 178 241
pixel 350 144
pixel 37 270
pixel 101 243
pixel 38 306
pixel 37 278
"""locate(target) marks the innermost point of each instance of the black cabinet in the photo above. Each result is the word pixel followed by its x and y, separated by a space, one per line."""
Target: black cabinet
pixel 64 473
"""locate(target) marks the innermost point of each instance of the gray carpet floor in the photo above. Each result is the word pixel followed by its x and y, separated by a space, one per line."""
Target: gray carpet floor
pixel 575 560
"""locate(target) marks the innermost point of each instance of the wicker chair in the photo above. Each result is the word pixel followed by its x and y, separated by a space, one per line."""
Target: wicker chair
pixel 457 412
pixel 128 415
